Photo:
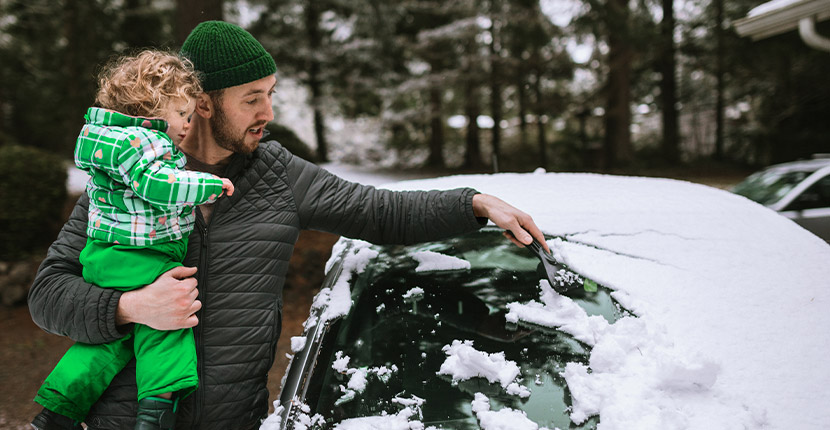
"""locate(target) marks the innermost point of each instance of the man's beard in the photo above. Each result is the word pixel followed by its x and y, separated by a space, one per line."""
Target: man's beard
pixel 225 136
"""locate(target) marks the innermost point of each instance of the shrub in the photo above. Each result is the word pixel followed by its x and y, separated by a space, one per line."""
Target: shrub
pixel 32 198
pixel 290 141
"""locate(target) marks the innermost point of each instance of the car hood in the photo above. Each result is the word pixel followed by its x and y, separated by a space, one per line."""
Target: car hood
pixel 733 299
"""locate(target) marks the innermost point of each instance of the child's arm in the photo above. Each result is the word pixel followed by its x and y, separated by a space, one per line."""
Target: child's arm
pixel 143 160
pixel 161 183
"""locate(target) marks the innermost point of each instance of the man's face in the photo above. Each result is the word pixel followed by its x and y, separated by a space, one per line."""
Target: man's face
pixel 240 114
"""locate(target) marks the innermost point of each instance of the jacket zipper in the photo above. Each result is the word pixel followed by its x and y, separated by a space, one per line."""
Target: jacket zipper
pixel 202 286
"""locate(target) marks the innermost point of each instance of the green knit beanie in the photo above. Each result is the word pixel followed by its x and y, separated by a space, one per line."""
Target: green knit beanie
pixel 225 55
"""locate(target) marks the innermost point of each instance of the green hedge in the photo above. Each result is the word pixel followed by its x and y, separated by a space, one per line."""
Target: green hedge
pixel 32 199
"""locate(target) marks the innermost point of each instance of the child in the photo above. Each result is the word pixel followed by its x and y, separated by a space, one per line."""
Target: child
pixel 141 203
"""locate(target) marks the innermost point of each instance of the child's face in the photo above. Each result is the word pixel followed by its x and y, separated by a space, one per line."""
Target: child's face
pixel 178 118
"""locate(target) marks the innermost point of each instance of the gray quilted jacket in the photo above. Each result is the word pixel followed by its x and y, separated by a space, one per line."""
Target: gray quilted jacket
pixel 242 255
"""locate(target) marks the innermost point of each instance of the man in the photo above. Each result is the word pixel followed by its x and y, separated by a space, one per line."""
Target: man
pixel 230 290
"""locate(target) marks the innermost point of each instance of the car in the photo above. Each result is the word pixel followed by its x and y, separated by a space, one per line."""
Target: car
pixel 677 306
pixel 798 190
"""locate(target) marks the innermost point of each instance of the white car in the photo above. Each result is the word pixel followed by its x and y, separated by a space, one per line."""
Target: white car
pixel 799 190
pixel 722 319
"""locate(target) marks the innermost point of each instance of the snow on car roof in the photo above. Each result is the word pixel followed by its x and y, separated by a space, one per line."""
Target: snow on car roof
pixel 733 300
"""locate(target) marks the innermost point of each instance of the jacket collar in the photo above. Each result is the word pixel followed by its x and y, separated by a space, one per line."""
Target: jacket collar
pixel 106 117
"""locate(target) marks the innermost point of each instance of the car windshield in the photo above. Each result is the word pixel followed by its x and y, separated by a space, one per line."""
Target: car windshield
pixel 769 186
pixel 389 327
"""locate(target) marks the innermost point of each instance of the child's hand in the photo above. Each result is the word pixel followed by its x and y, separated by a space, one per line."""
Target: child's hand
pixel 227 186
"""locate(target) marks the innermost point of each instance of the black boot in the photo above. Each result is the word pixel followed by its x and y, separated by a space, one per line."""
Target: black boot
pixel 48 420
pixel 155 413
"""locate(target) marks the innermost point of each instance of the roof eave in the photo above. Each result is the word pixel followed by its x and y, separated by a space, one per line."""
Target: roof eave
pixel 783 19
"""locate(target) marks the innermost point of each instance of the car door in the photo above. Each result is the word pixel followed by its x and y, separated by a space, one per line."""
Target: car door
pixel 811 208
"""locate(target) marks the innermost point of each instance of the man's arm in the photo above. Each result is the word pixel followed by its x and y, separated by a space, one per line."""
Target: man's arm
pixel 329 203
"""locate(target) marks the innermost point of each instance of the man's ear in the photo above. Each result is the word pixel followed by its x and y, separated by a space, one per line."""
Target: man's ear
pixel 204 106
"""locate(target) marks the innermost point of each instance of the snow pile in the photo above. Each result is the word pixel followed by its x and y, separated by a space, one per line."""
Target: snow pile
pixel 337 300
pixel 431 261
pixel 637 378
pixel 358 377
pixel 732 300
pixel 399 421
pixel 559 311
pixel 465 362
pixel 273 421
pixel 303 420
pixel 403 420
pixel 504 419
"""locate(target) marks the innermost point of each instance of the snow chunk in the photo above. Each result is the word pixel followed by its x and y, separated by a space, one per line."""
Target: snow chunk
pixel 413 401
pixel 273 421
pixel 414 292
pixel 432 261
pixel 297 343
pixel 399 421
pixel 558 311
pixel 358 377
pixel 504 419
pixel 303 420
pixel 465 362
pixel 341 362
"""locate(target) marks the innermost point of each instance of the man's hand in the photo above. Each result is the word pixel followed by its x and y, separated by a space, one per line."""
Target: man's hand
pixel 169 303
pixel 509 218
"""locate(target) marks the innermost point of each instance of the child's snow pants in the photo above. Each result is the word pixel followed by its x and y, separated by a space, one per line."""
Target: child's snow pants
pixel 165 360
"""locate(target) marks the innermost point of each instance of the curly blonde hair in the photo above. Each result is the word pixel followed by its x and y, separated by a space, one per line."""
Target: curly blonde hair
pixel 144 84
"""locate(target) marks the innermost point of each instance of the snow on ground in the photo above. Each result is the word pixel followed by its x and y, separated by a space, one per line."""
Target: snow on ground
pixel 732 301
pixel 76 179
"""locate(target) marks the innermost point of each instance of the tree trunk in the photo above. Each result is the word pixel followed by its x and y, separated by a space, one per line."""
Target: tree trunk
pixel 719 77
pixel 472 108
pixel 541 139
pixel 521 94
pixel 436 139
pixel 618 149
pixel 190 13
pixel 668 85
pixel 495 83
pixel 71 65
pixel 315 83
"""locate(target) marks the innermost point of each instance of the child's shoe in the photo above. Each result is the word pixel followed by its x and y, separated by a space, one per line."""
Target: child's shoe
pixel 48 420
pixel 155 413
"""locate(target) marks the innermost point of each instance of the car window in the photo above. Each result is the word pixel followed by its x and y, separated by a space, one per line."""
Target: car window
pixel 401 319
pixel 769 186
pixel 814 197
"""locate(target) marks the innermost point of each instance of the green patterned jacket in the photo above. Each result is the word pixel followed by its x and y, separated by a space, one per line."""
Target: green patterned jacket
pixel 139 192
